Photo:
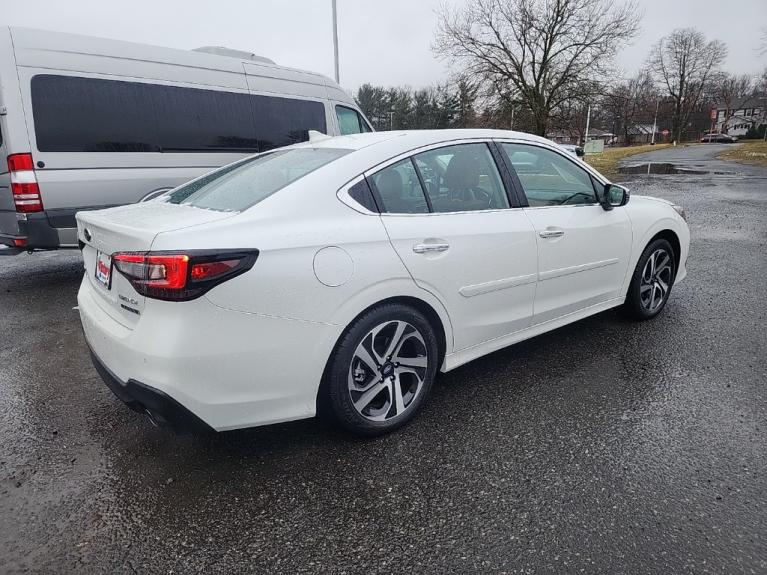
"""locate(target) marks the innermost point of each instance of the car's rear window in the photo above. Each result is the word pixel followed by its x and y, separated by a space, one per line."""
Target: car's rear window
pixel 239 186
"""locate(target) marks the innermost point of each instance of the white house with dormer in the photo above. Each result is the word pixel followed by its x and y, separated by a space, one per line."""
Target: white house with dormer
pixel 744 113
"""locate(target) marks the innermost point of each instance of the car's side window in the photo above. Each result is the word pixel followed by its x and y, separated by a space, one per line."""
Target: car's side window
pixel 363 195
pixel 350 122
pixel 399 189
pixel 462 178
pixel 548 178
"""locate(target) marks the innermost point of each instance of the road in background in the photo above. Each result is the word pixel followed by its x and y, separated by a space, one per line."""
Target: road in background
pixel 700 157
pixel 604 447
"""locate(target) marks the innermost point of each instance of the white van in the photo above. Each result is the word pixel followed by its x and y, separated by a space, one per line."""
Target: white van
pixel 88 123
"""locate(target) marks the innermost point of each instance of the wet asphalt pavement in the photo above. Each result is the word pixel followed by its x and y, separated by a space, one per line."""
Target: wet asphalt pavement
pixel 603 447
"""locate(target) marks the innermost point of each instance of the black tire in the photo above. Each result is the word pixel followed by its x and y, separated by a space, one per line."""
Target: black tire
pixel 341 374
pixel 636 305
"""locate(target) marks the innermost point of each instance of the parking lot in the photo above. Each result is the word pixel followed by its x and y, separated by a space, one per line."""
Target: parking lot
pixel 606 446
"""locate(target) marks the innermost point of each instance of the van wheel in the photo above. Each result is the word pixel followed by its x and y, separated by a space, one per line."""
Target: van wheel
pixel 382 370
pixel 652 281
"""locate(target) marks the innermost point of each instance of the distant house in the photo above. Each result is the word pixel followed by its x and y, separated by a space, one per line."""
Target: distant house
pixel 599 134
pixel 641 134
pixel 744 113
pixel 562 137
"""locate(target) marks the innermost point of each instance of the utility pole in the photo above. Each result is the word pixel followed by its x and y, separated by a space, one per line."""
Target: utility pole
pixel 655 122
pixel 511 124
pixel 588 121
pixel 335 40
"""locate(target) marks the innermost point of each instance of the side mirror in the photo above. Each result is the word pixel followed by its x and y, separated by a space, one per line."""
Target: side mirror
pixel 613 196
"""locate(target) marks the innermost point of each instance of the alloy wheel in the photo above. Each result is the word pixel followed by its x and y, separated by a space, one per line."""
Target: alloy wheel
pixel 387 370
pixel 656 280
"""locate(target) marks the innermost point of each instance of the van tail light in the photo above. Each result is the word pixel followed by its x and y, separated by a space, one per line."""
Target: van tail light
pixel 26 192
pixel 181 275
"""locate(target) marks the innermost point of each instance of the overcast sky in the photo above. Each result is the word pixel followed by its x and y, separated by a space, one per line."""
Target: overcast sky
pixel 384 42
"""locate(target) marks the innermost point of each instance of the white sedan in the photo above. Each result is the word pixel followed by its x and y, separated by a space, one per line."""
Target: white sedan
pixel 345 272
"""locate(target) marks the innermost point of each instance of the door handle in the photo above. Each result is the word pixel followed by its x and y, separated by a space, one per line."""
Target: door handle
pixel 424 248
pixel 551 233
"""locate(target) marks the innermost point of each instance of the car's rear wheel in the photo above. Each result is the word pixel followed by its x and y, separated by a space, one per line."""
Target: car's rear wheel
pixel 652 281
pixel 382 369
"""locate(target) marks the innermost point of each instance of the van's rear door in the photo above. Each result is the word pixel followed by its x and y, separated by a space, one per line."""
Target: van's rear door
pixel 6 199
pixel 8 225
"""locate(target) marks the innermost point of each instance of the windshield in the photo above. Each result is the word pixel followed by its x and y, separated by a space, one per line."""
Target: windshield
pixel 241 185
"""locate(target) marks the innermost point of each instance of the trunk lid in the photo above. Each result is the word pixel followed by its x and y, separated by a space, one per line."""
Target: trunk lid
pixel 131 228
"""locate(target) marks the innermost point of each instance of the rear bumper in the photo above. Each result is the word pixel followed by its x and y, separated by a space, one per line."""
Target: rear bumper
pixel 229 369
pixel 161 408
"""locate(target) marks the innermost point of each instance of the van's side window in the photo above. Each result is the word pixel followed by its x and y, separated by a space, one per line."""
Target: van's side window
pixel 285 121
pixel 90 115
pixel 190 119
pixel 75 114
pixel 350 122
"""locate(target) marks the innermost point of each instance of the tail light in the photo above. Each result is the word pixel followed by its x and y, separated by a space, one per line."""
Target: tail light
pixel 26 192
pixel 181 276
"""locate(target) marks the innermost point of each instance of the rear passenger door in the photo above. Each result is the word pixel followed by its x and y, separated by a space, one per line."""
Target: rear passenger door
pixel 454 225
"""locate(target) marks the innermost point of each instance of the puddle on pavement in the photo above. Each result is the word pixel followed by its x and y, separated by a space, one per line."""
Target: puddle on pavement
pixel 665 168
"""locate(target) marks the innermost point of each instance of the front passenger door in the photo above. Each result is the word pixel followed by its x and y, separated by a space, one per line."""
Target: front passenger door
pixel 583 250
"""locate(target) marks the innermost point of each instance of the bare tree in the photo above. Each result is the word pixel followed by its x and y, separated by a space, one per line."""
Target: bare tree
pixel 683 63
pixel 629 102
pixel 545 51
pixel 570 116
pixel 727 88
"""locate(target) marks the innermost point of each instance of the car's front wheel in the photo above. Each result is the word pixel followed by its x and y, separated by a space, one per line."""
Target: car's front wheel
pixel 382 369
pixel 652 281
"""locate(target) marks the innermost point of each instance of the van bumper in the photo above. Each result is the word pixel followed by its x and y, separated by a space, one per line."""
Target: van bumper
pixel 48 230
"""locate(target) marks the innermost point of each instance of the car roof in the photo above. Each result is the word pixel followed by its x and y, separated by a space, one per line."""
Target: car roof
pixel 372 149
pixel 409 139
